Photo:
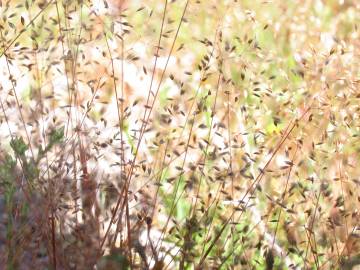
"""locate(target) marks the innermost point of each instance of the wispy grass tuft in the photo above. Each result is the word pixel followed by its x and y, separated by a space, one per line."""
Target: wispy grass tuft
pixel 179 134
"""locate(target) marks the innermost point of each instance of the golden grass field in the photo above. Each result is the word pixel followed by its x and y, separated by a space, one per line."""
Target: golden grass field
pixel 179 134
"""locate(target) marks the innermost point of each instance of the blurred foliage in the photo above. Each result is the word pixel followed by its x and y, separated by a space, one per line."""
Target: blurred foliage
pixel 180 134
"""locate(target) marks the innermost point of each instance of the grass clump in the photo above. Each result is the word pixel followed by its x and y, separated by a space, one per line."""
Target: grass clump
pixel 179 134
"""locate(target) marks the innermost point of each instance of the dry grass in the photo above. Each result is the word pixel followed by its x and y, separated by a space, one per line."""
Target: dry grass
pixel 179 134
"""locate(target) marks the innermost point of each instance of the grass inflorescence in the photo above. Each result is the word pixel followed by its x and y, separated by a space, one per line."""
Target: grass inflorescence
pixel 179 134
